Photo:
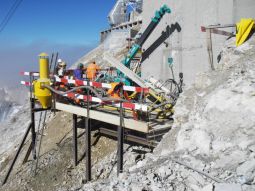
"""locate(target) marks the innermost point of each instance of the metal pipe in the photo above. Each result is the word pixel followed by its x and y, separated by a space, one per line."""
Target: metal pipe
pixel 17 154
pixel 220 26
pixel 84 87
pixel 51 60
pixel 75 140
pixel 40 141
pixel 32 105
pixel 88 142
pixel 160 105
pixel 54 68
pixel 199 171
pixel 120 142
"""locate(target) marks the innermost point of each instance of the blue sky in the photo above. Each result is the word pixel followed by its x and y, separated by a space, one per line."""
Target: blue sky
pixel 70 27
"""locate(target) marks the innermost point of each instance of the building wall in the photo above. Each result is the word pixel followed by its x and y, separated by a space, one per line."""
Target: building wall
pixel 243 9
pixel 188 46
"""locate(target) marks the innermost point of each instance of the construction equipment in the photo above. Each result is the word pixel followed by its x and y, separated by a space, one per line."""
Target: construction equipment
pixel 160 97
pixel 154 102
pixel 137 46
pixel 145 109
pixel 42 93
pixel 244 28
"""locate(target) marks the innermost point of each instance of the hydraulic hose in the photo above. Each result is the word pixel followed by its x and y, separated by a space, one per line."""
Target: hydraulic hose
pixel 160 105
pixel 174 82
pixel 84 87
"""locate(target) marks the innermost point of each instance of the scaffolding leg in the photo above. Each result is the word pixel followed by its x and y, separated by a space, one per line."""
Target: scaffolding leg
pixel 17 154
pixel 33 127
pixel 88 142
pixel 120 143
pixel 75 151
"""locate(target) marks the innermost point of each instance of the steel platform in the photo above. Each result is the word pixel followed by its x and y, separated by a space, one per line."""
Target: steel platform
pixel 155 127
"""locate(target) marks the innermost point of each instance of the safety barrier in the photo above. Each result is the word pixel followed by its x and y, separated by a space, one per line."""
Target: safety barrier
pixel 126 105
pixel 25 83
pixel 68 80
pixel 36 74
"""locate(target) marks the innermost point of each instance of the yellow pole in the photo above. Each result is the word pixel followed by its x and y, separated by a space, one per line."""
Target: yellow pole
pixel 44 65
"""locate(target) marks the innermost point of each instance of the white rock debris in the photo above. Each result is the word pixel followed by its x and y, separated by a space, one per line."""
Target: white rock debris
pixel 213 133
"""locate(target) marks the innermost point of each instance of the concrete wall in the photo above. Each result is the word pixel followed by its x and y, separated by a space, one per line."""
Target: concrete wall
pixel 188 47
pixel 243 9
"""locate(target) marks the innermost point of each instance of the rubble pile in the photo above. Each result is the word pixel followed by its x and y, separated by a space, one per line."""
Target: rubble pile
pixel 211 146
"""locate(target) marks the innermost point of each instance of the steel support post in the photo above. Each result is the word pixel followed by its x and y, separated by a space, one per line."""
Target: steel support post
pixel 33 127
pixel 75 151
pixel 88 141
pixel 120 142
pixel 17 154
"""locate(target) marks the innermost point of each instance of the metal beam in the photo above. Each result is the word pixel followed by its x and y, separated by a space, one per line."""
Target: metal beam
pixel 75 150
pixel 215 30
pixel 105 117
pixel 120 143
pixel 203 28
pixel 32 105
pixel 129 73
pixel 88 141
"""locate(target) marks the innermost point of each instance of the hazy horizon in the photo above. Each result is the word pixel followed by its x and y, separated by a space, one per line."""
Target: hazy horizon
pixel 61 26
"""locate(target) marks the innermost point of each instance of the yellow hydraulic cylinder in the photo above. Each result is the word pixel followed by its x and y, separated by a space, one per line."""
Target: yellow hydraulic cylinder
pixel 43 94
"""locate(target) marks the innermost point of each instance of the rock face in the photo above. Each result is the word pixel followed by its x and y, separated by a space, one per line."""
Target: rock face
pixel 213 134
pixel 14 118
pixel 219 124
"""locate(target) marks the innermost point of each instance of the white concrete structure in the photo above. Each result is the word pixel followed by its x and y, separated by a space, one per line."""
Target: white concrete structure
pixel 188 47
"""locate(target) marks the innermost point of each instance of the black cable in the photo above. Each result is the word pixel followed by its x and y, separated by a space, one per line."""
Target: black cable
pixel 9 14
pixel 11 11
